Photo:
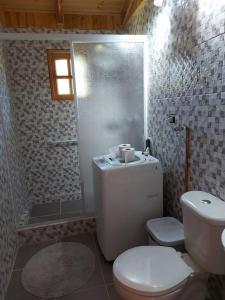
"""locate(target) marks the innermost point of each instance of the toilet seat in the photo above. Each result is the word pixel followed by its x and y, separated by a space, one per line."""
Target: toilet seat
pixel 151 270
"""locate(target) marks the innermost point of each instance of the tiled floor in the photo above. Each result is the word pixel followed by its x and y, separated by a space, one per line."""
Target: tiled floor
pixel 99 287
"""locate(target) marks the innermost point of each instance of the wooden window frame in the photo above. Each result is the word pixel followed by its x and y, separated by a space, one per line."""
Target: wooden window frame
pixel 52 56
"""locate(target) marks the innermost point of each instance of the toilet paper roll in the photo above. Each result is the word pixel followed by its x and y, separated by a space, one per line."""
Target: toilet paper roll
pixel 123 146
pixel 128 154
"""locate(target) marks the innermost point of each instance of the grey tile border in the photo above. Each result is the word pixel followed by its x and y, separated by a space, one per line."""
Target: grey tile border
pixel 43 219
pixel 45 209
pixel 71 206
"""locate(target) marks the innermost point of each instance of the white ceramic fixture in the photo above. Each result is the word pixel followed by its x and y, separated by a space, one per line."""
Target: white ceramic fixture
pixel 157 272
pixel 223 239
pixel 127 195
pixel 204 222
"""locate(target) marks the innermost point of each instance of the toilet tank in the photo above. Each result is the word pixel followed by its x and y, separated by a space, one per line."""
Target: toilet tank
pixel 204 221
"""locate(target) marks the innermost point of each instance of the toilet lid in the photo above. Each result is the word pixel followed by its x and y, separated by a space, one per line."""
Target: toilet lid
pixel 151 269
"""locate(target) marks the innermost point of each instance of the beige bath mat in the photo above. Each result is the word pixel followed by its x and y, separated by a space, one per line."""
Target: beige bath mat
pixel 58 270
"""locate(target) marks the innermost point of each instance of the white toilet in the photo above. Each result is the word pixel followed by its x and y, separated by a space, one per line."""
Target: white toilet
pixel 162 273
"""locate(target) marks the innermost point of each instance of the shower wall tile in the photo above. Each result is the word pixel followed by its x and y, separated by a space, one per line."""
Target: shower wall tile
pixel 51 172
pixel 12 189
pixel 186 77
pixel 7 218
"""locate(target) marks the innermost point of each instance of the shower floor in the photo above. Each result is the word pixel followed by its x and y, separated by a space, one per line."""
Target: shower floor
pixel 99 287
pixel 54 211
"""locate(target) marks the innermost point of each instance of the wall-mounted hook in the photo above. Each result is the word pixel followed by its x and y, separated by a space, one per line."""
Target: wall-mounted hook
pixel 171 118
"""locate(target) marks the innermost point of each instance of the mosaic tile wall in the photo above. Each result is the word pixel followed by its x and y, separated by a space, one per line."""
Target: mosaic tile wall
pixel 12 189
pixel 186 77
pixel 51 173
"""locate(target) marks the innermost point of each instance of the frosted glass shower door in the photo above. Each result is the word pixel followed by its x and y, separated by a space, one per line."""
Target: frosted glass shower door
pixel 109 92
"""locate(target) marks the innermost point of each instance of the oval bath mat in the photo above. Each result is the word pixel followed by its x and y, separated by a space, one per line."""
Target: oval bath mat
pixel 58 270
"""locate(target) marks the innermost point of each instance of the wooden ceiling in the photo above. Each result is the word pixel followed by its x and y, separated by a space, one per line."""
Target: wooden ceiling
pixel 69 6
pixel 80 14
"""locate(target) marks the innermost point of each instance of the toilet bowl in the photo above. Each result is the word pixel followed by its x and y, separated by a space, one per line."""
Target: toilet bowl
pixel 157 272
pixel 161 272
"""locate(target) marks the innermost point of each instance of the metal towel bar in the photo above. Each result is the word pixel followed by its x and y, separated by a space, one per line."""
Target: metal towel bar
pixel 63 143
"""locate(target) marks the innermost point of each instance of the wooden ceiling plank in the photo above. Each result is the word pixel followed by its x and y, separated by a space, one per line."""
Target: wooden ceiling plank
pixel 134 7
pixel 59 13
pixel 2 16
pixel 48 20
pixel 126 10
pixel 92 14
pixel 28 5
pixel 86 7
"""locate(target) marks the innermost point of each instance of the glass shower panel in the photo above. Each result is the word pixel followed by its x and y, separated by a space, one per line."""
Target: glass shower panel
pixel 109 86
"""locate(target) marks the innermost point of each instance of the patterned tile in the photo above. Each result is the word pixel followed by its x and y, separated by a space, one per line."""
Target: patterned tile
pixel 50 172
pixel 12 190
pixel 186 77
pixel 55 232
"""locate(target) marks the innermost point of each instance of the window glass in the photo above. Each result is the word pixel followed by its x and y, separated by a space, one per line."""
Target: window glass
pixel 63 86
pixel 60 74
pixel 61 67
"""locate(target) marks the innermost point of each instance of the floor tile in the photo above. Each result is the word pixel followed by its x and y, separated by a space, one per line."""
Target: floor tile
pixel 113 295
pixel 93 289
pixel 106 269
pixel 45 209
pixel 16 290
pixel 105 265
pixel 26 252
pixel 87 239
pixel 96 279
pixel 98 293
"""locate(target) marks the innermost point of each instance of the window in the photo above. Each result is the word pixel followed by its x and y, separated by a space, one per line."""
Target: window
pixel 60 74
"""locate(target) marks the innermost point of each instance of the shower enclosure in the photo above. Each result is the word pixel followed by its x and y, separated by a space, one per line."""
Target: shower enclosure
pixel 109 85
pixel 60 138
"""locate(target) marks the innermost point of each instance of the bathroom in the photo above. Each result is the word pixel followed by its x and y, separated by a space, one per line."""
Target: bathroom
pixel 167 62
